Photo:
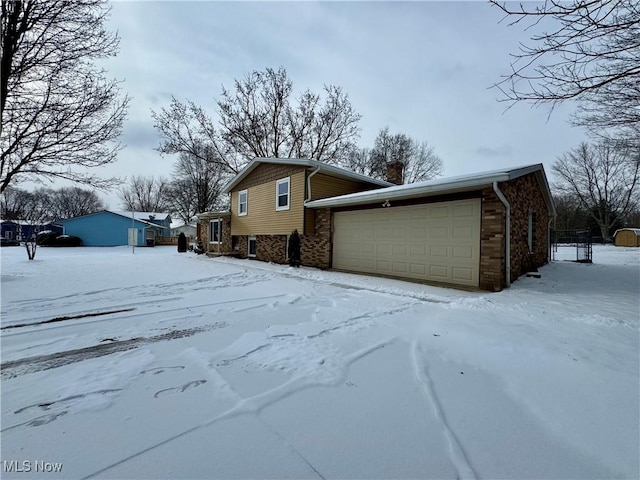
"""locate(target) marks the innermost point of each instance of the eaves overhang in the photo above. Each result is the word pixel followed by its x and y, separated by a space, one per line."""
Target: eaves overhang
pixel 302 162
pixel 442 186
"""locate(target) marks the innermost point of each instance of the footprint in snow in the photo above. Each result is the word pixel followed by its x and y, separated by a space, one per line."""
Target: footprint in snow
pixel 67 401
pixel 180 389
pixel 158 370
pixel 38 421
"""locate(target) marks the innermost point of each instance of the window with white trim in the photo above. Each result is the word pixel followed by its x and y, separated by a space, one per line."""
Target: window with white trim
pixel 242 202
pixel 282 193
pixel 215 230
pixel 251 246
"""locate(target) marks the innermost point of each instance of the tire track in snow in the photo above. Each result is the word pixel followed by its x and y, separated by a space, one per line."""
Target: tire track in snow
pixel 233 280
pixel 151 313
pixel 23 366
pixel 456 452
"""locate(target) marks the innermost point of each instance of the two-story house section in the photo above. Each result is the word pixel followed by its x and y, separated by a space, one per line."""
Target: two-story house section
pixel 481 230
pixel 268 203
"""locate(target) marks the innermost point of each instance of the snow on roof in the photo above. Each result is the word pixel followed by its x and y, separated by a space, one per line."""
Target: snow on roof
pixel 143 216
pixel 304 162
pixel 634 230
pixel 437 186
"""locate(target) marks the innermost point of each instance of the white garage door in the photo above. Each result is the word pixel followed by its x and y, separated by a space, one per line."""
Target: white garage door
pixel 435 242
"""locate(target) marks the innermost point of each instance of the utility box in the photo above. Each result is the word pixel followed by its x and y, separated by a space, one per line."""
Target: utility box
pixel 133 237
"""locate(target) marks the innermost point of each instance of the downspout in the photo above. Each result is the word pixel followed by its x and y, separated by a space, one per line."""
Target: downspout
pixel 309 183
pixel 549 246
pixel 507 236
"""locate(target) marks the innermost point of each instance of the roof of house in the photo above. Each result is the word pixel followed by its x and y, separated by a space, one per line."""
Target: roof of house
pixel 303 162
pixel 439 186
pixel 142 217
pixel 634 230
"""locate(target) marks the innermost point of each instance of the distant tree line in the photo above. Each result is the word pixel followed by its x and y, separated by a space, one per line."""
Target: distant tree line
pixel 48 205
pixel 597 188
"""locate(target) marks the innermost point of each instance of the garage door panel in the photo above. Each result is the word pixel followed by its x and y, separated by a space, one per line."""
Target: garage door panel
pixel 383 266
pixel 463 211
pixel 418 214
pixel 399 249
pixel 436 251
pixel 460 231
pixel 418 233
pixel 439 271
pixel 438 242
pixel 462 273
pixel 439 212
pixel 383 249
pixel 399 233
pixel 463 252
pixel 438 232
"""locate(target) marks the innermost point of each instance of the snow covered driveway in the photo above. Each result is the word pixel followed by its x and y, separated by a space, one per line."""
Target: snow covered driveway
pixel 167 365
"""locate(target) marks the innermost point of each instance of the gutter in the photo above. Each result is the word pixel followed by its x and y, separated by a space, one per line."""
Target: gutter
pixel 549 246
pixel 309 183
pixel 507 236
pixel 401 192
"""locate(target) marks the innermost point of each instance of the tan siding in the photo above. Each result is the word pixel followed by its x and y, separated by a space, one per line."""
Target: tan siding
pixel 324 186
pixel 262 217
pixel 265 173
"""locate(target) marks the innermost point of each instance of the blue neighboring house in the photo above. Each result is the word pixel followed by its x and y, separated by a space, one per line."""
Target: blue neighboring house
pixel 20 230
pixel 110 228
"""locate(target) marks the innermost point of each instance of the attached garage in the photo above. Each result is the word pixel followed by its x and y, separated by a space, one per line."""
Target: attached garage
pixel 478 231
pixel 433 242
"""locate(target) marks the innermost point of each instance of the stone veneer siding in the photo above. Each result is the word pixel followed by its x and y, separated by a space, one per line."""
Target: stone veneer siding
pixel 316 249
pixel 204 229
pixel 271 248
pixel 523 194
pixel 492 238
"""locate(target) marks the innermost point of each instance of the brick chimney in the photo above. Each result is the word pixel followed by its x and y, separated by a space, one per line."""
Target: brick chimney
pixel 395 172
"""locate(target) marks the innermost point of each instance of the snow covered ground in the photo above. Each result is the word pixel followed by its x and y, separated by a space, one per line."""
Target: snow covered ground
pixel 165 365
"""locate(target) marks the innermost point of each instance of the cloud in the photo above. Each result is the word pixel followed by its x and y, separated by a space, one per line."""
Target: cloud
pixel 495 151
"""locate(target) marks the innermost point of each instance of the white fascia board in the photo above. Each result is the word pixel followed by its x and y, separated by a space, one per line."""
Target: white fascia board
pixel 434 187
pixel 401 192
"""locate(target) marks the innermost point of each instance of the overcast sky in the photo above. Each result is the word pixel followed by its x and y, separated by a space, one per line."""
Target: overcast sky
pixel 422 68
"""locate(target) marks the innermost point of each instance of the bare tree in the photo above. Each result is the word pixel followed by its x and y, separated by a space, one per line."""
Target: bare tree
pixel 145 194
pixel 30 209
pixel 591 54
pixel 68 202
pixel 196 187
pixel 185 128
pixel 15 203
pixel 58 111
pixel 418 159
pixel 258 118
pixel 604 178
pixel 358 161
pixel 51 205
pixel 570 213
